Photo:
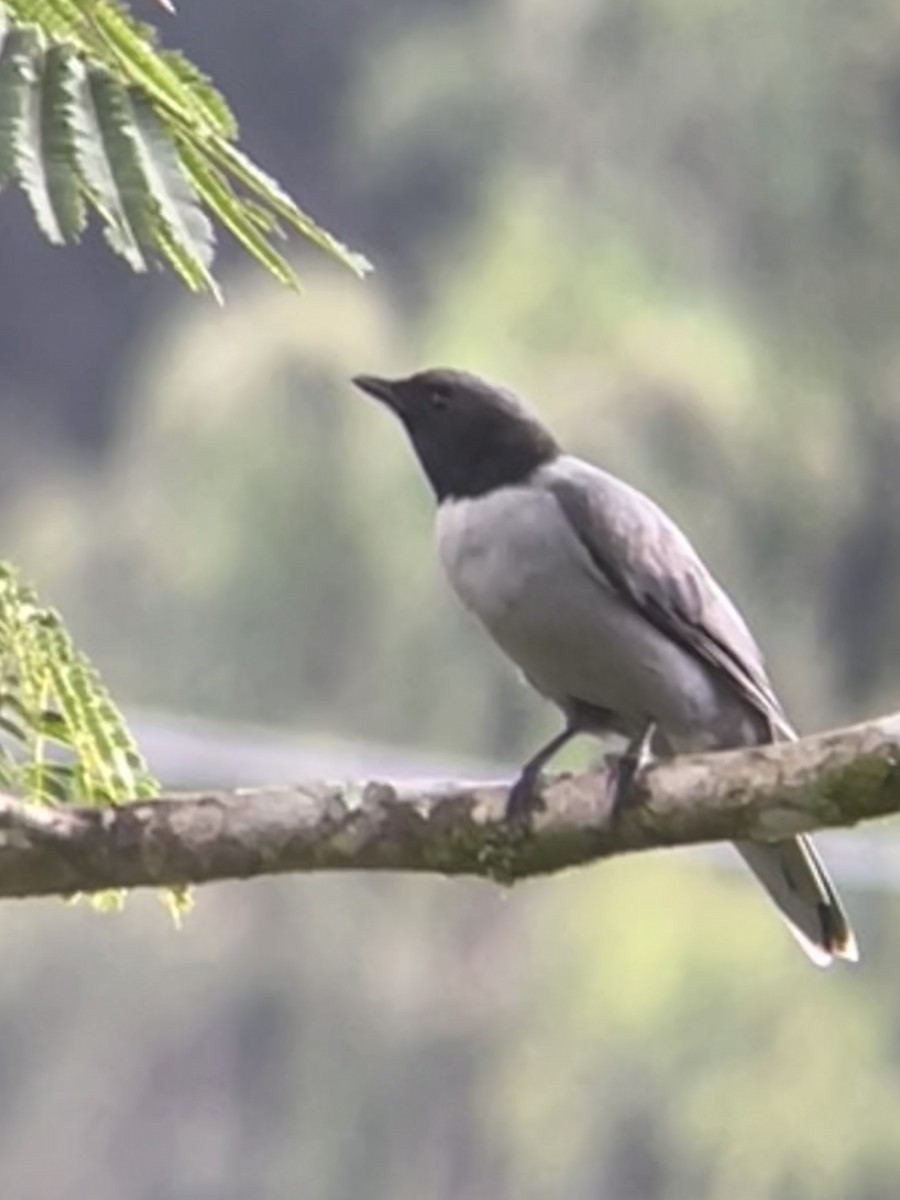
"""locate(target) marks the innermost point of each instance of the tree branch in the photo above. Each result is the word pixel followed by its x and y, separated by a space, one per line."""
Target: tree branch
pixel 836 778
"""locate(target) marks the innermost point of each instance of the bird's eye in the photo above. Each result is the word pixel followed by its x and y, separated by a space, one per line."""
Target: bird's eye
pixel 440 399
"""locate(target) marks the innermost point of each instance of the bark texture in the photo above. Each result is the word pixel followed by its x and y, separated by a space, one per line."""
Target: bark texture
pixel 454 828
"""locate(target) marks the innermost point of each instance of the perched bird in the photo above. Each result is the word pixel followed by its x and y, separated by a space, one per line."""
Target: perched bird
pixel 604 605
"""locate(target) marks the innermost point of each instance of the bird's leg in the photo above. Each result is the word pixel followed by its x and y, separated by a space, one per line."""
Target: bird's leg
pixel 522 800
pixel 624 767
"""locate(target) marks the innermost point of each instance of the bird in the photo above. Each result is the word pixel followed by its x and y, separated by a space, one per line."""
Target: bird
pixel 604 605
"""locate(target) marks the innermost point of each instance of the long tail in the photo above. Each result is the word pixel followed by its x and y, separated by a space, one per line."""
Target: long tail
pixel 795 878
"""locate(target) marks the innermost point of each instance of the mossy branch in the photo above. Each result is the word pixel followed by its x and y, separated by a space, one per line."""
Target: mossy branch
pixel 832 779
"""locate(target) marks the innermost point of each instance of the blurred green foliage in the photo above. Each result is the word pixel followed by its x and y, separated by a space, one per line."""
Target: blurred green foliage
pixel 675 228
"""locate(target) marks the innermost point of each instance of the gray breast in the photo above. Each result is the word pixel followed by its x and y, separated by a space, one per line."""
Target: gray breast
pixel 515 562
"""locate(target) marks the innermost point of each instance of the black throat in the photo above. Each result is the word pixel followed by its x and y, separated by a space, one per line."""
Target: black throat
pixel 482 458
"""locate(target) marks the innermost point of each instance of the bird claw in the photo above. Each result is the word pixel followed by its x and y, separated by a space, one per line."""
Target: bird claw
pixel 621 772
pixel 523 800
pixel 623 769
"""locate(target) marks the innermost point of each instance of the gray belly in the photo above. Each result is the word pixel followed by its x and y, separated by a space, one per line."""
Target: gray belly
pixel 516 564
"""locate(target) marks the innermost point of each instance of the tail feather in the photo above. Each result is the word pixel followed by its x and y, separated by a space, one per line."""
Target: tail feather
pixel 796 880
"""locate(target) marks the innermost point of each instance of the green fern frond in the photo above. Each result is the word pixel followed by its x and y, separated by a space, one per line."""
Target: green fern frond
pixel 46 145
pixel 62 738
pixel 188 232
pixel 242 219
pixel 128 48
pixel 59 20
pixel 269 192
pixel 16 49
pixel 94 116
pixel 99 165
pixel 207 99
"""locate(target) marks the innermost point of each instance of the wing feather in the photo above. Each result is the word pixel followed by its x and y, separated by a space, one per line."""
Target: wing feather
pixel 651 563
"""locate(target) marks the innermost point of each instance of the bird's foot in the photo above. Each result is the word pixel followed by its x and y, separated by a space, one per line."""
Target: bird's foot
pixel 524 799
pixel 621 770
pixel 624 768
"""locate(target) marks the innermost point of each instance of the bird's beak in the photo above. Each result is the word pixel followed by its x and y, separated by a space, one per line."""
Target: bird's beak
pixel 382 389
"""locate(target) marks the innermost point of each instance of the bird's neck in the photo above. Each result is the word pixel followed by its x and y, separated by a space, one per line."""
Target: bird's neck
pixel 483 468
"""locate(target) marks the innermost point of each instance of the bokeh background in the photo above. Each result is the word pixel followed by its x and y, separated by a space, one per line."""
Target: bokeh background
pixel 676 227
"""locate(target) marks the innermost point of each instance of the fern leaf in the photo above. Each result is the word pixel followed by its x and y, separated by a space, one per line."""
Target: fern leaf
pixel 165 78
pixel 57 19
pixel 10 103
pixel 46 147
pixel 183 230
pixel 61 736
pixel 204 95
pixel 97 117
pixel 103 119
pixel 16 54
pixel 156 205
pixel 260 184
pixel 185 265
pixel 62 74
pixel 245 225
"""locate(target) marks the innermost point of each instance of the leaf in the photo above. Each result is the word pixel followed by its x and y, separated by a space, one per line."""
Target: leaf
pixel 110 901
pixel 140 181
pixel 267 188
pixel 57 20
pixel 243 225
pixel 70 740
pixel 45 149
pixel 205 97
pixel 62 75
pixel 94 117
pixel 52 782
pixel 14 730
pixel 10 102
pixel 16 51
pixel 178 902
pixel 181 219
pixel 167 79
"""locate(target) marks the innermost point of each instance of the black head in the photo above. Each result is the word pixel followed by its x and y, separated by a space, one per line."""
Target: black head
pixel 470 437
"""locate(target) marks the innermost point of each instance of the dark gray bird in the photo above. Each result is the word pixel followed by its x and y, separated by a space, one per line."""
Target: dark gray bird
pixel 605 606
